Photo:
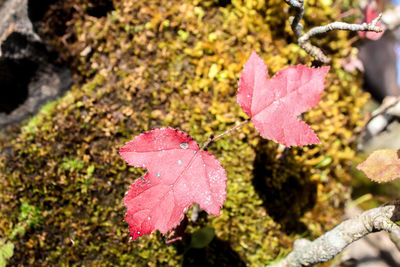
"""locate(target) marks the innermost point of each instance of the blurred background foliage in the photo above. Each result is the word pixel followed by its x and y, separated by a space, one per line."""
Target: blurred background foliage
pixel 144 64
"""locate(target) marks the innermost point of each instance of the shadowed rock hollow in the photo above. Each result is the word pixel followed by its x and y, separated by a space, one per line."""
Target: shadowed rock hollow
pixel 29 73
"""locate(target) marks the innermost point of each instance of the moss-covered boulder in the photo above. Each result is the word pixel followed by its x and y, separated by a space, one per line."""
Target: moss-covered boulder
pixel 155 63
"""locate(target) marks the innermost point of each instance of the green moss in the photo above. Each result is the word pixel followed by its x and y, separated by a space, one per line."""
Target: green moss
pixel 44 112
pixel 29 216
pixel 72 164
pixel 6 249
pixel 97 81
pixel 142 73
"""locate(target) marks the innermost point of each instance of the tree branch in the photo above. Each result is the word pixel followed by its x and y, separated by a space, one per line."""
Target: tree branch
pixel 295 21
pixel 387 103
pixel 303 39
pixel 379 119
pixel 324 248
pixel 295 3
pixel 341 26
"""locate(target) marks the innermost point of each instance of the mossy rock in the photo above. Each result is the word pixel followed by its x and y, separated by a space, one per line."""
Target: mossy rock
pixel 155 63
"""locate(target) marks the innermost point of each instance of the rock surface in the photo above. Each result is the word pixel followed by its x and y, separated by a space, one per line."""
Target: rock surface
pixel 29 74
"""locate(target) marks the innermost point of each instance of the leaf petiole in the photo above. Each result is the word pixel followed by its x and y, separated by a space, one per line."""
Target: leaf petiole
pixel 212 139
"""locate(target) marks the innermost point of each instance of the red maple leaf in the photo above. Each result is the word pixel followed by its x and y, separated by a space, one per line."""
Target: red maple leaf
pixel 274 104
pixel 179 174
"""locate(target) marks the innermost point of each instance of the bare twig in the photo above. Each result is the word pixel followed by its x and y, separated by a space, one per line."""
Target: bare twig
pixel 315 52
pixel 347 13
pixel 295 3
pixel 303 39
pixel 324 248
pixel 387 103
pixel 295 21
pixel 341 26
pixel 379 119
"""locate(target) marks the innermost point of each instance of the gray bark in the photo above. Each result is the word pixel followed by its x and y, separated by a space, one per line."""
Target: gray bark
pixel 324 248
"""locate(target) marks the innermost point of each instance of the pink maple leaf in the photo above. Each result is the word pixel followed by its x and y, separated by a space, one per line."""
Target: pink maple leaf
pixel 382 165
pixel 179 174
pixel 370 13
pixel 274 104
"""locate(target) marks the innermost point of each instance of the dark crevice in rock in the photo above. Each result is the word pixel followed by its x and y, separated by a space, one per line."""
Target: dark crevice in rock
pixel 14 42
pixel 15 76
pixel 51 19
pixel 37 10
pixel 20 45
pixel 29 73
pixel 99 8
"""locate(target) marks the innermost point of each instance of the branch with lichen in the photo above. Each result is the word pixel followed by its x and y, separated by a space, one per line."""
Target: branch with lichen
pixel 324 248
pixel 303 39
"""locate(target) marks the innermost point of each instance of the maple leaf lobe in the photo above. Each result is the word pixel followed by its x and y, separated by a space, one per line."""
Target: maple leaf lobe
pixel 179 174
pixel 274 104
pixel 254 71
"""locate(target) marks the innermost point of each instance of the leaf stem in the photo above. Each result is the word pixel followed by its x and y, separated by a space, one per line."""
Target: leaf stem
pixel 214 138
